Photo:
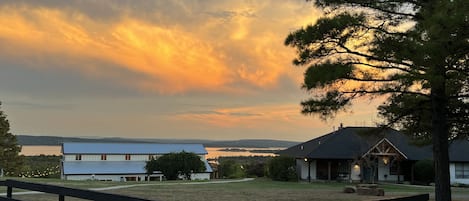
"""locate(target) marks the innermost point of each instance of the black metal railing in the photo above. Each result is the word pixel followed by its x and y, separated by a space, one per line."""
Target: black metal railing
pixel 62 192
pixel 421 197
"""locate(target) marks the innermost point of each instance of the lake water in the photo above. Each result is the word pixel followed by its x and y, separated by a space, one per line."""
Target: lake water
pixel 213 152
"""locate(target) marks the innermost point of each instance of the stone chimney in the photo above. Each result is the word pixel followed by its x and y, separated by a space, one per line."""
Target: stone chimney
pixel 341 125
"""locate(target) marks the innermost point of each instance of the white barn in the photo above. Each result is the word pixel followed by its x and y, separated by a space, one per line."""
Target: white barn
pixel 121 161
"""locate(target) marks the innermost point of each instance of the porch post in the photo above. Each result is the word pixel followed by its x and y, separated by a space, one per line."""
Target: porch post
pixel 329 170
pixel 309 171
pixel 349 171
pixel 398 171
pixel 9 191
pixel 412 173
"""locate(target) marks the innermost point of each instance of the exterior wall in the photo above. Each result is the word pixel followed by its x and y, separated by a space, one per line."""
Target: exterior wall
pixel 303 169
pixel 138 157
pixel 355 172
pixel 109 157
pixel 68 157
pixel 452 174
pixel 194 176
pixel 103 177
pixel 115 157
pixel 91 157
pixel 384 172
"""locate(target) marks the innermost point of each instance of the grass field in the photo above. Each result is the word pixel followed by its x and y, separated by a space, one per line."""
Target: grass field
pixel 256 190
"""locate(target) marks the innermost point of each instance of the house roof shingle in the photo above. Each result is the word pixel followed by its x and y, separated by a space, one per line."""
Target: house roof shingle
pixel 459 150
pixel 353 142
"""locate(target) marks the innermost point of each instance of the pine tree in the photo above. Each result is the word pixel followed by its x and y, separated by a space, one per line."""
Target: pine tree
pixel 414 52
pixel 10 160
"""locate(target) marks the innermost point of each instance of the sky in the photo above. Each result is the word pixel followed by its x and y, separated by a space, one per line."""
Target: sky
pixel 185 69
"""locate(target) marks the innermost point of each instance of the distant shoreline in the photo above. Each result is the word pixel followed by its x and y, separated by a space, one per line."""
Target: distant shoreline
pixel 212 152
pixel 272 151
pixel 245 143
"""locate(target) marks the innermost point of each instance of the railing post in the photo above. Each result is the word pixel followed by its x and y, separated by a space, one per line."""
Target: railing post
pixel 9 191
pixel 61 198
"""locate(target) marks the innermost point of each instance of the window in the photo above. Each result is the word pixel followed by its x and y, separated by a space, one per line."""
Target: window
pixel 462 170
pixel 127 157
pixel 78 157
pixel 103 157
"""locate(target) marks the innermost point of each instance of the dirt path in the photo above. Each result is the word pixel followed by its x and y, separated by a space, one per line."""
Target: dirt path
pixel 147 184
pixel 171 184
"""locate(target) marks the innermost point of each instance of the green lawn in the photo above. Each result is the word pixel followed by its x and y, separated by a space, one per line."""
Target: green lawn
pixel 258 190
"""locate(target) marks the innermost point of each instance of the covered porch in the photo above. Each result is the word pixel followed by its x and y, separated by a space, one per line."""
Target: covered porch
pixel 383 162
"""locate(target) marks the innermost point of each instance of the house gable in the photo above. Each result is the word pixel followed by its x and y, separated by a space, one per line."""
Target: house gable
pixel 385 148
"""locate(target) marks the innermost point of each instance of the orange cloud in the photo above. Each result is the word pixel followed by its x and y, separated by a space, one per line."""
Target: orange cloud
pixel 284 117
pixel 174 59
pixel 222 54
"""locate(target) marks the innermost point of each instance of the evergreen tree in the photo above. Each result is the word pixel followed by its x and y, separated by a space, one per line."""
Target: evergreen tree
pixel 10 160
pixel 415 52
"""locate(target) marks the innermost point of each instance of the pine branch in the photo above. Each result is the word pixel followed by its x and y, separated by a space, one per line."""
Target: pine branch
pixel 383 67
pixel 384 91
pixel 370 57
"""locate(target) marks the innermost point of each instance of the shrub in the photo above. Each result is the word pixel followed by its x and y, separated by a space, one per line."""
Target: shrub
pixel 231 169
pixel 424 172
pixel 255 169
pixel 282 168
pixel 40 166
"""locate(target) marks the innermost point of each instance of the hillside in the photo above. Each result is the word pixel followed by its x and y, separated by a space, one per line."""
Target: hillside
pixel 55 140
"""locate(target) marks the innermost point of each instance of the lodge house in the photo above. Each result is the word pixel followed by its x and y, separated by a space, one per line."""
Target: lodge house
pixel 121 161
pixel 370 154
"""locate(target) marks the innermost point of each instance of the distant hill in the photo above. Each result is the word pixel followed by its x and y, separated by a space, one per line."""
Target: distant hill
pixel 55 140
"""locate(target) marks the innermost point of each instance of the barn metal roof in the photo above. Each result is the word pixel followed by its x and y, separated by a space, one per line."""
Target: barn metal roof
pixel 129 148
pixel 109 167
pixel 104 167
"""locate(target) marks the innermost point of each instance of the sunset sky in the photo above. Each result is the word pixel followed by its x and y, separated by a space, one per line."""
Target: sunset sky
pixel 158 69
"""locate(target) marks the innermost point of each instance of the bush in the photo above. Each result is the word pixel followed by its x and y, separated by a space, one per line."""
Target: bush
pixel 40 166
pixel 282 168
pixel 250 166
pixel 231 169
pixel 424 172
pixel 255 169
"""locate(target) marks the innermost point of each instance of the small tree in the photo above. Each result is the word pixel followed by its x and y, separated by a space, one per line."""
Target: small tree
pixel 151 166
pixel 282 168
pixel 173 165
pixel 10 160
